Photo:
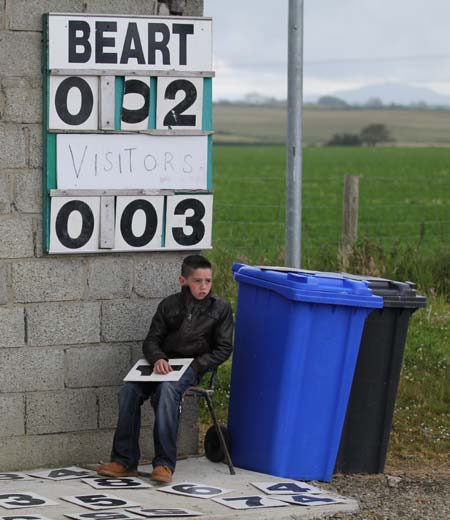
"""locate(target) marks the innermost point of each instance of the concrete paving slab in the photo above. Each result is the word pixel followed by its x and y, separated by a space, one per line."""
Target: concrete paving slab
pixel 195 469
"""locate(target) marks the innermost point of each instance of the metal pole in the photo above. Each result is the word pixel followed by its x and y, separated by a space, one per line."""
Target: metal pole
pixel 294 135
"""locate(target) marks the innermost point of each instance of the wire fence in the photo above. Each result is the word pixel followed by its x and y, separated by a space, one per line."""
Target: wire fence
pixel 392 211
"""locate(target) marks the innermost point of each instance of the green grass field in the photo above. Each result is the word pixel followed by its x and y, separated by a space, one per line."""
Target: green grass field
pixel 404 198
pixel 404 234
pixel 239 124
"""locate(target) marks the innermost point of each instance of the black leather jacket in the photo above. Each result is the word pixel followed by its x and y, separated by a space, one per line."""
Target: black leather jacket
pixel 185 327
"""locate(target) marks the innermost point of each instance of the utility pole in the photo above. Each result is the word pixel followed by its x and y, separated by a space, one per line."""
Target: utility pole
pixel 294 135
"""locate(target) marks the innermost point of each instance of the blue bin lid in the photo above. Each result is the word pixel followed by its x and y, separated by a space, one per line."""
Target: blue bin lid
pixel 394 293
pixel 323 288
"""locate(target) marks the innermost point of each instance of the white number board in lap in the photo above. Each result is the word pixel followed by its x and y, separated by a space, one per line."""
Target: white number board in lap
pixel 99 501
pixel 189 221
pixel 179 103
pixel 139 223
pixel 24 499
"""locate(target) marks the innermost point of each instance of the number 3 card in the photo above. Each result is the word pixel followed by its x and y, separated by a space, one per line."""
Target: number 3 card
pixel 24 499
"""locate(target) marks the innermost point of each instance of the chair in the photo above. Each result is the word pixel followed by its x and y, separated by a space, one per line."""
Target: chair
pixel 216 438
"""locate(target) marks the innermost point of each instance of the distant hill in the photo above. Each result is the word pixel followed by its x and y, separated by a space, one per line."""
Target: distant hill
pixel 392 93
pixel 249 124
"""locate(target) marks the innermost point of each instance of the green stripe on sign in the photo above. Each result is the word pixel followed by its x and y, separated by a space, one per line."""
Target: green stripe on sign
pixel 207 123
pixel 152 108
pixel 118 87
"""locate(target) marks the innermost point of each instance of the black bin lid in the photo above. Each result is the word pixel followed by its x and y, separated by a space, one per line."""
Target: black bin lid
pixel 395 294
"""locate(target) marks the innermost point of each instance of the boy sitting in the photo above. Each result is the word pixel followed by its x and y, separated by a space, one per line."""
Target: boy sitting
pixel 190 324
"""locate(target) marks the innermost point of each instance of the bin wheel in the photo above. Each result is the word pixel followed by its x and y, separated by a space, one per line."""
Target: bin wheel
pixel 213 448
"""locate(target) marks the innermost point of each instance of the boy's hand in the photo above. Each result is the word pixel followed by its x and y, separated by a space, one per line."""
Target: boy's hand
pixel 162 367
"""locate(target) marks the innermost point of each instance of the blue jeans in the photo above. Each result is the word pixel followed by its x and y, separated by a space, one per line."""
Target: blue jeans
pixel 165 399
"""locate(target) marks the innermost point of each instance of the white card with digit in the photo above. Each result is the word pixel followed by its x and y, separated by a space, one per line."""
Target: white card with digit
pixel 249 502
pixel 116 483
pixel 142 371
pixel 286 488
pixel 192 489
pixel 99 501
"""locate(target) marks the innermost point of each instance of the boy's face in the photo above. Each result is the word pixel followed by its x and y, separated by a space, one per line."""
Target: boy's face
pixel 199 283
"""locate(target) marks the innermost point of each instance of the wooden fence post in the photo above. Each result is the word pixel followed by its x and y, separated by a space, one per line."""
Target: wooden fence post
pixel 350 217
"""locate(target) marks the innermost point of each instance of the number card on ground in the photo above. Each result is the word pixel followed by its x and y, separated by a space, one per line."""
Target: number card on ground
pixel 312 500
pixel 24 499
pixel 194 490
pixel 142 371
pixel 116 483
pixel 71 473
pixel 127 133
pixel 249 502
pixel 15 476
pixel 103 515
pixel 24 517
pixel 286 488
pixel 99 501
pixel 164 512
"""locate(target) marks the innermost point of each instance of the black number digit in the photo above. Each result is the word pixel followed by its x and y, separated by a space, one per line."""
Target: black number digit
pixel 87 101
pixel 176 117
pixel 253 501
pixel 292 487
pixel 145 370
pixel 20 517
pixel 193 489
pixel 10 476
pixel 126 221
pixel 305 499
pixel 62 220
pixel 194 221
pixel 134 86
pixel 21 500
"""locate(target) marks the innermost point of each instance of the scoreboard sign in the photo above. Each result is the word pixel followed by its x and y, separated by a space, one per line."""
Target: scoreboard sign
pixel 128 133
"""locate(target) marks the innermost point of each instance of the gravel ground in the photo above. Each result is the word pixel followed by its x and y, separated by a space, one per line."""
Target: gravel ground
pixel 389 497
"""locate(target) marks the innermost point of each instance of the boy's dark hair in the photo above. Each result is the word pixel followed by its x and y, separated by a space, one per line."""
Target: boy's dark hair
pixel 192 262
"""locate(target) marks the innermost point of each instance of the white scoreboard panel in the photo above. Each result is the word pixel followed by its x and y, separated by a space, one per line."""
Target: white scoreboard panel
pixel 127 126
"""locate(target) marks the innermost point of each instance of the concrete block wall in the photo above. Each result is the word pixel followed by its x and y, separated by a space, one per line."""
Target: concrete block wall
pixel 70 326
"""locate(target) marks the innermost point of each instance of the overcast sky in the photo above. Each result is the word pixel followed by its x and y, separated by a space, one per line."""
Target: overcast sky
pixel 347 44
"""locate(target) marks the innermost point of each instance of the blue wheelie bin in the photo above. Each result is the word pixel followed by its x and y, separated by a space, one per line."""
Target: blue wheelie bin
pixel 296 344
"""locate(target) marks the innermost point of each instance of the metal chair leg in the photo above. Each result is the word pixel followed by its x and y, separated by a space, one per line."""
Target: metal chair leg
pixel 220 434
